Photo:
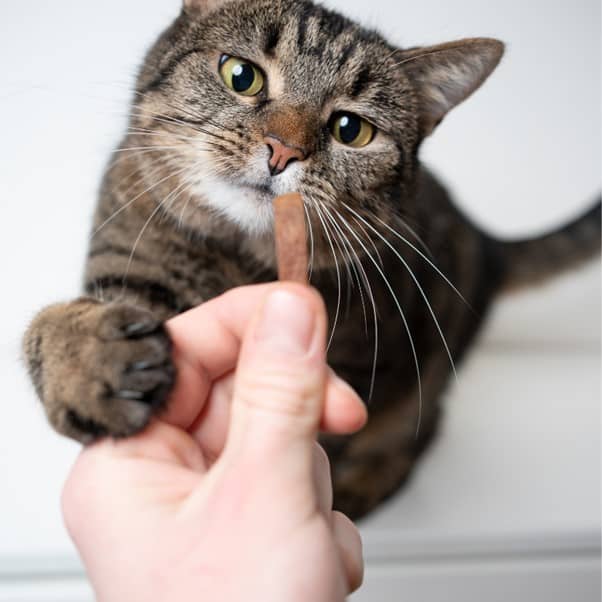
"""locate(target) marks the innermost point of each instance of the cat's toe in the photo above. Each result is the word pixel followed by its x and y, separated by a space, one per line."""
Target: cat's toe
pixel 147 381
pixel 122 321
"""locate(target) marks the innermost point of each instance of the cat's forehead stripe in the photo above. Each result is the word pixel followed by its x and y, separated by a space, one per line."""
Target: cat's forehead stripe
pixel 361 81
pixel 346 54
pixel 324 35
pixel 318 28
pixel 272 38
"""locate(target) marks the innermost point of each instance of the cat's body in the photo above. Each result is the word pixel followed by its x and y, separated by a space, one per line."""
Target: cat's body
pixel 166 239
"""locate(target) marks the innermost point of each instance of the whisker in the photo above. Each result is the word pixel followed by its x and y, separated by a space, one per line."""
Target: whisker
pixel 138 110
pixel 322 195
pixel 129 203
pixel 352 276
pixel 144 148
pixel 422 293
pixel 338 272
pixel 311 242
pixel 174 121
pixel 349 279
pixel 419 56
pixel 413 232
pixel 156 166
pixel 345 243
pixel 183 142
pixel 143 132
pixel 138 169
pixel 184 208
pixel 404 320
pixel 407 242
pixel 125 157
pixel 174 105
pixel 371 240
pixel 388 56
pixel 171 198
pixel 372 300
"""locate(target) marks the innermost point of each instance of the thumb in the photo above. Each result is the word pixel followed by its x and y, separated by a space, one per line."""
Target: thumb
pixel 281 378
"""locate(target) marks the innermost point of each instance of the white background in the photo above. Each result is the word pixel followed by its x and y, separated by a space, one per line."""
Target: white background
pixel 522 155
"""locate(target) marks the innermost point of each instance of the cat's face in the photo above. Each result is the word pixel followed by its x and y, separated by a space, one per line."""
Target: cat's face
pixel 244 100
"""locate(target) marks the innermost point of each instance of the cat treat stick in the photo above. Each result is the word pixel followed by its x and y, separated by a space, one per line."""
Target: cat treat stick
pixel 291 237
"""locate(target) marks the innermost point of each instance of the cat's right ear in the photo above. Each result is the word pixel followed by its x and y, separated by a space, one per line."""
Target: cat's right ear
pixel 203 6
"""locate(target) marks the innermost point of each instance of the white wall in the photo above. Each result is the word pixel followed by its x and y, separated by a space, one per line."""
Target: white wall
pixel 522 155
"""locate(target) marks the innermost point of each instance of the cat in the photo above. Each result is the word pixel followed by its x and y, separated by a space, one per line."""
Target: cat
pixel 238 102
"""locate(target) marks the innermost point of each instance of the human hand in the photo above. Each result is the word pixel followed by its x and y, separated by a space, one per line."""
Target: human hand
pixel 228 497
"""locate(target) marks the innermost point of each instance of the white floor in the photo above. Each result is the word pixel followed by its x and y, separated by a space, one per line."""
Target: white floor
pixel 507 504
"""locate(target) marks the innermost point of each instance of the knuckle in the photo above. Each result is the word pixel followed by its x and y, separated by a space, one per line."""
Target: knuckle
pixel 281 392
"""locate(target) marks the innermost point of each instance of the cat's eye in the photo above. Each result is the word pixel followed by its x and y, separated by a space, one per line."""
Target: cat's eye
pixel 351 130
pixel 241 76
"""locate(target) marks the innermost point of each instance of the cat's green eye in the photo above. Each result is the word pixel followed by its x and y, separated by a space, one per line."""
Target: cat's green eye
pixel 351 130
pixel 241 76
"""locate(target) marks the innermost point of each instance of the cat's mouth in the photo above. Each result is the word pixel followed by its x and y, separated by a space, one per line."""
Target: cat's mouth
pixel 267 187
pixel 246 198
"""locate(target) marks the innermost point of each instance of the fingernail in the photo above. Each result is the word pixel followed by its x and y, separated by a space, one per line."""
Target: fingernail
pixel 286 325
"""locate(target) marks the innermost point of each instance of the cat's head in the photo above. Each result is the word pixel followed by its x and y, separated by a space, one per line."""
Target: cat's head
pixel 242 100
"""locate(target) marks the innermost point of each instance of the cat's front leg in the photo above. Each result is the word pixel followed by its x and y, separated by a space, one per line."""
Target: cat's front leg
pixel 99 368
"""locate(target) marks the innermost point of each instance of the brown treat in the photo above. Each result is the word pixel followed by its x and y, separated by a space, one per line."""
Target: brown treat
pixel 291 237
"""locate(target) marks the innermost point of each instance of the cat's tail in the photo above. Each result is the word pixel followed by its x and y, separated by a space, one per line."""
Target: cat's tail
pixel 530 261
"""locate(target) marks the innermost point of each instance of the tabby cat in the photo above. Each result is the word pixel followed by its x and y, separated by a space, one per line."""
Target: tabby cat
pixel 240 101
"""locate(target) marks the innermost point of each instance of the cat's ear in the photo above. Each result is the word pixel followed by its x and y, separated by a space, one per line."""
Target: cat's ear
pixel 447 74
pixel 203 6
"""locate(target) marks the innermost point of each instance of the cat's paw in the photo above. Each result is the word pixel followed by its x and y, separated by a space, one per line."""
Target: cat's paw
pixel 104 370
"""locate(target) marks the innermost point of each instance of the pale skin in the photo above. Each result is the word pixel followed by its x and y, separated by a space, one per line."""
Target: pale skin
pixel 228 496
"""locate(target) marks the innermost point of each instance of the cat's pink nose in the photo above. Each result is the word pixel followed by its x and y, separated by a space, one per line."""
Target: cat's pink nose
pixel 282 154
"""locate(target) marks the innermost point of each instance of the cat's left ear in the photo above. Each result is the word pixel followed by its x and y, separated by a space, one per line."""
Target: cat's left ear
pixel 203 6
pixel 447 74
